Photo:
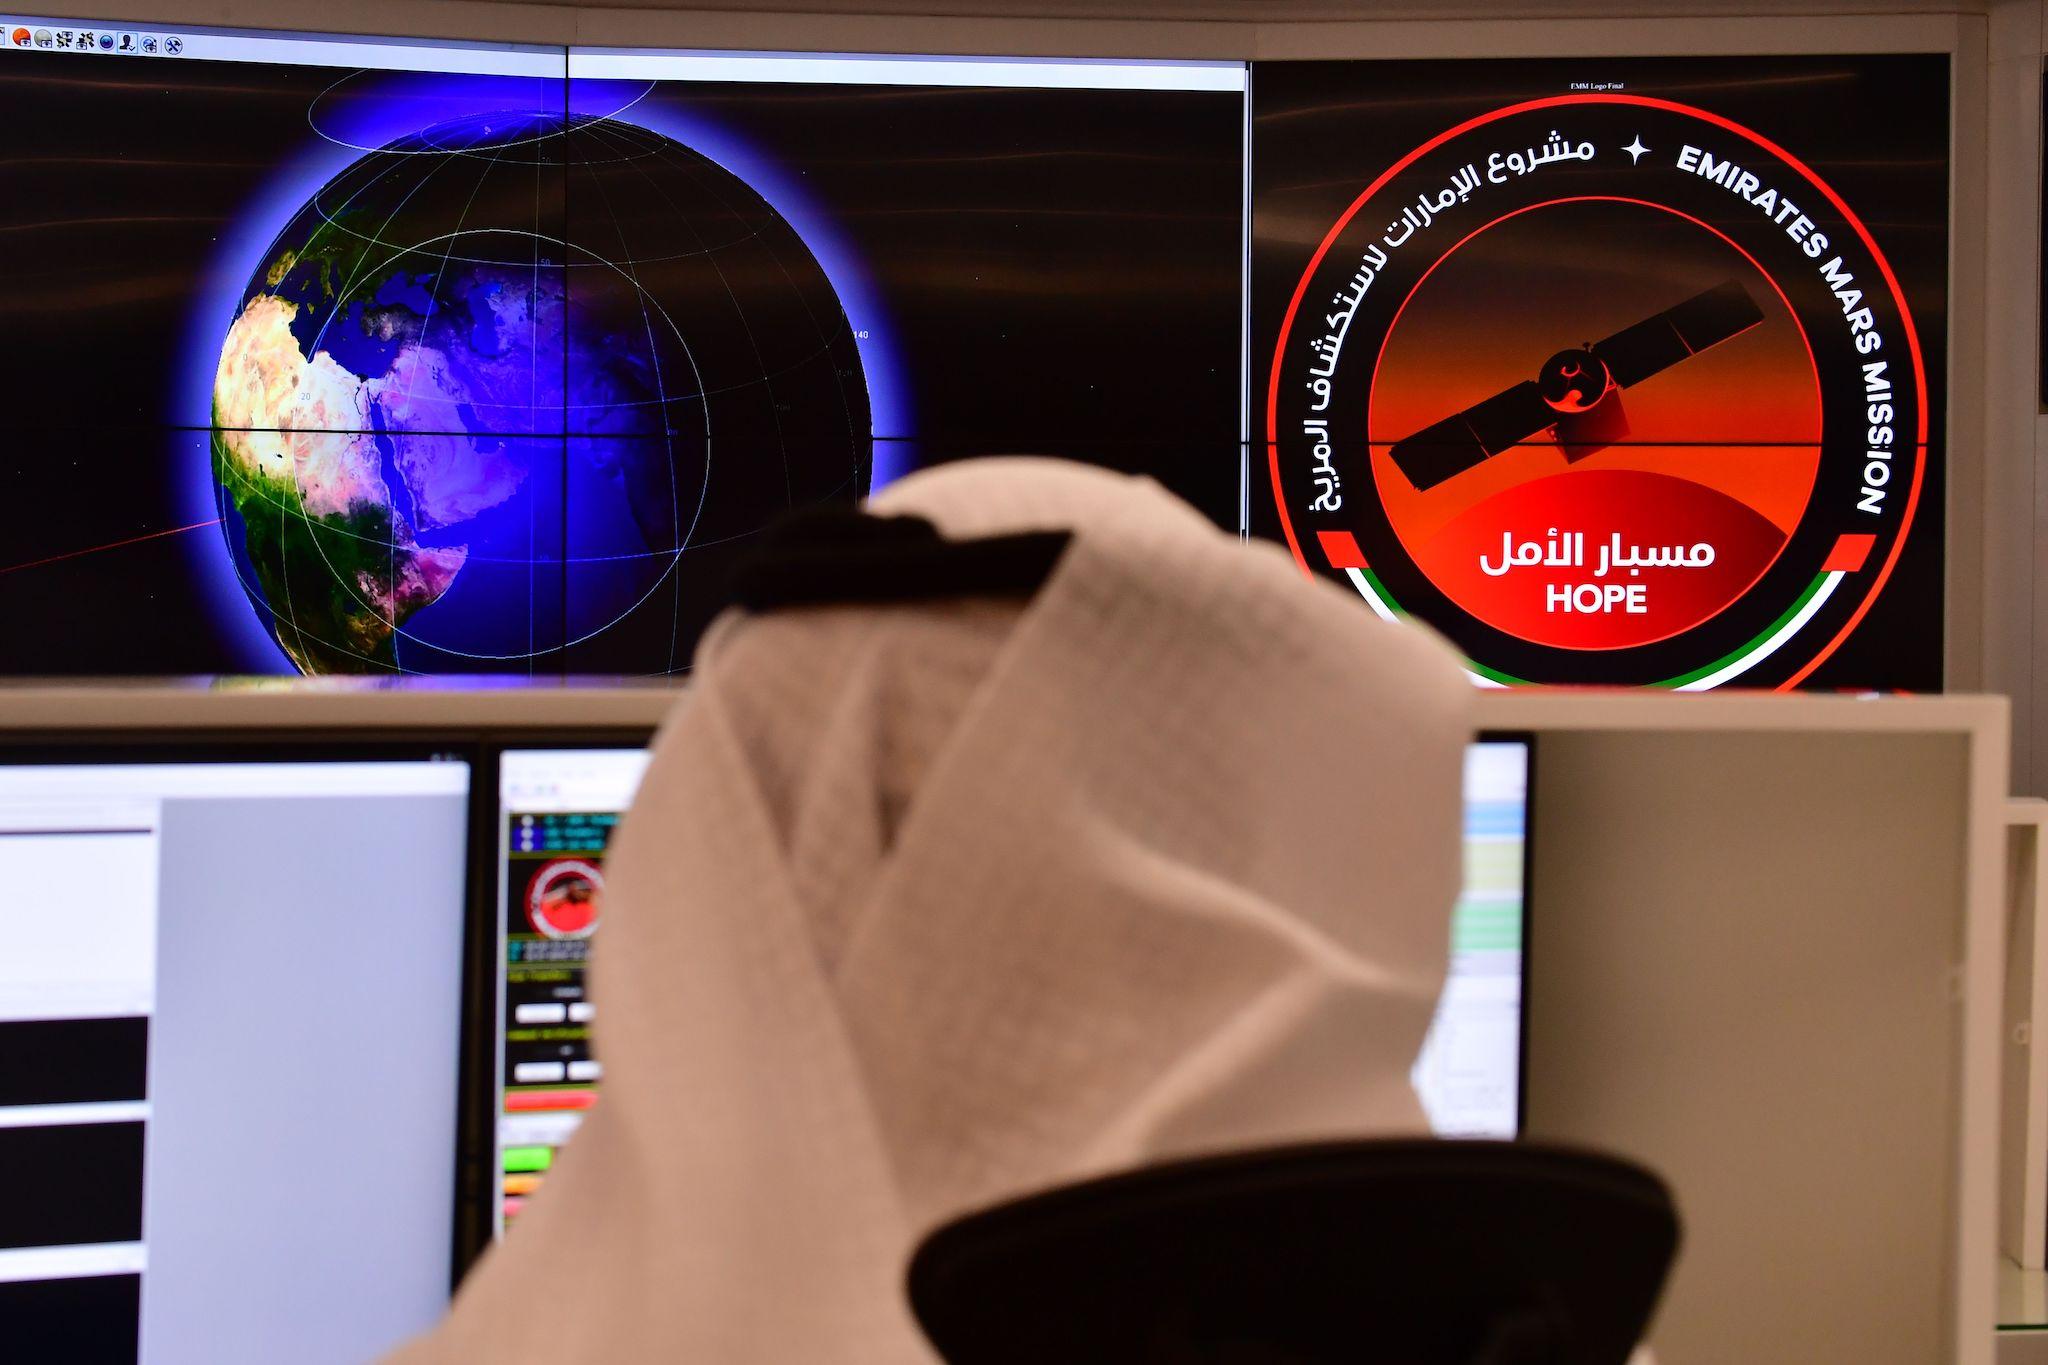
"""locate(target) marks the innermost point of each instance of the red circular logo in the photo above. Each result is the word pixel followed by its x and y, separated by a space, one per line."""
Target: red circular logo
pixel 563 899
pixel 1608 389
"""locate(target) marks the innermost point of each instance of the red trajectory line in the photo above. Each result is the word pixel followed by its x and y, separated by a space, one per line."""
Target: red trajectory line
pixel 110 545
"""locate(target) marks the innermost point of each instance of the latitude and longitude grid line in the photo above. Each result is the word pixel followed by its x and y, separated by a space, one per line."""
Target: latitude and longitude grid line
pixel 533 394
pixel 391 520
pixel 682 537
pixel 562 544
pixel 399 633
pixel 501 559
pixel 586 165
pixel 257 492
pixel 412 380
pixel 663 151
pixel 711 258
pixel 666 152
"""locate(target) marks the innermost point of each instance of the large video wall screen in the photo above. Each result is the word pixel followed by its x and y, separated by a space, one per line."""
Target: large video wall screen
pixel 419 358
pixel 338 355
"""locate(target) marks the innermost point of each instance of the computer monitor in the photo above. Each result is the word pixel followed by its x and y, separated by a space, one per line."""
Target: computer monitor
pixel 1469 1073
pixel 557 808
pixel 230 1004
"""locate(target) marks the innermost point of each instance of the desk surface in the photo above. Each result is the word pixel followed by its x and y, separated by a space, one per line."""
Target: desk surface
pixel 2022 1314
pixel 2022 1297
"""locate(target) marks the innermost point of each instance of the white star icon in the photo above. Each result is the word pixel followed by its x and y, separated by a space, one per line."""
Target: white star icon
pixel 1635 150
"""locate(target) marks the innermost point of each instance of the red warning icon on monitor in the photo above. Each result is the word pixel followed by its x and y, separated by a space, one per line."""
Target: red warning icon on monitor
pixel 563 898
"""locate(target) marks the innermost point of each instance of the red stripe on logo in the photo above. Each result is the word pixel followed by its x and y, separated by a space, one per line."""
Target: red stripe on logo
pixel 1849 554
pixel 1341 549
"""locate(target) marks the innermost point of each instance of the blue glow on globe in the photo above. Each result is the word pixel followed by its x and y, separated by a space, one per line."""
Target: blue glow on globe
pixel 507 394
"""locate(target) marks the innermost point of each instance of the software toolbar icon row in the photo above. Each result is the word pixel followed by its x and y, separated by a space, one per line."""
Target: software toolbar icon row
pixel 93 40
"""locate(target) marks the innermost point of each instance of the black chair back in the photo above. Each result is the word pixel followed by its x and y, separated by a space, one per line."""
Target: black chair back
pixel 1386 1252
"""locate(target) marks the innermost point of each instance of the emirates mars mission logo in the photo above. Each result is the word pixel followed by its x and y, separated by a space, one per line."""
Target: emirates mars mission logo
pixel 1609 389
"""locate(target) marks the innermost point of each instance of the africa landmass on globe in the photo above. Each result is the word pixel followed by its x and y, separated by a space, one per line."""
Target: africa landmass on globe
pixel 334 475
pixel 427 455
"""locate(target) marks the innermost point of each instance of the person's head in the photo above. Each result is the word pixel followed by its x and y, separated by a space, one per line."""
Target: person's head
pixel 930 900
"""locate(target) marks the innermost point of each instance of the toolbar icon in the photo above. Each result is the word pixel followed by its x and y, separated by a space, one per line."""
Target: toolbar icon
pixel 106 42
pixel 22 37
pixel 127 43
pixel 63 39
pixel 149 44
pixel 174 45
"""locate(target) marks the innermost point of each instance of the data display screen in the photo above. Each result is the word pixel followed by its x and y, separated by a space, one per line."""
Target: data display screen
pixel 1469 1074
pixel 557 810
pixel 230 1005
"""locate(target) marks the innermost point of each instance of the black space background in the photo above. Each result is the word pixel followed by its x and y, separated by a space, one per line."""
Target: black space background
pixel 1060 270
pixel 1874 127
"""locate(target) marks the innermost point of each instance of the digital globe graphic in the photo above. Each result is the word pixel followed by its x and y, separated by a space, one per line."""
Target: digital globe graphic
pixel 510 393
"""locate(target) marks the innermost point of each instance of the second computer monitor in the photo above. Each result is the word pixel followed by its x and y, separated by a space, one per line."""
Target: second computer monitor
pixel 556 811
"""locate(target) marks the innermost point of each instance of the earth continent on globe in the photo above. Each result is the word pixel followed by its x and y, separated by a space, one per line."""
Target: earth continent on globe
pixel 507 394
